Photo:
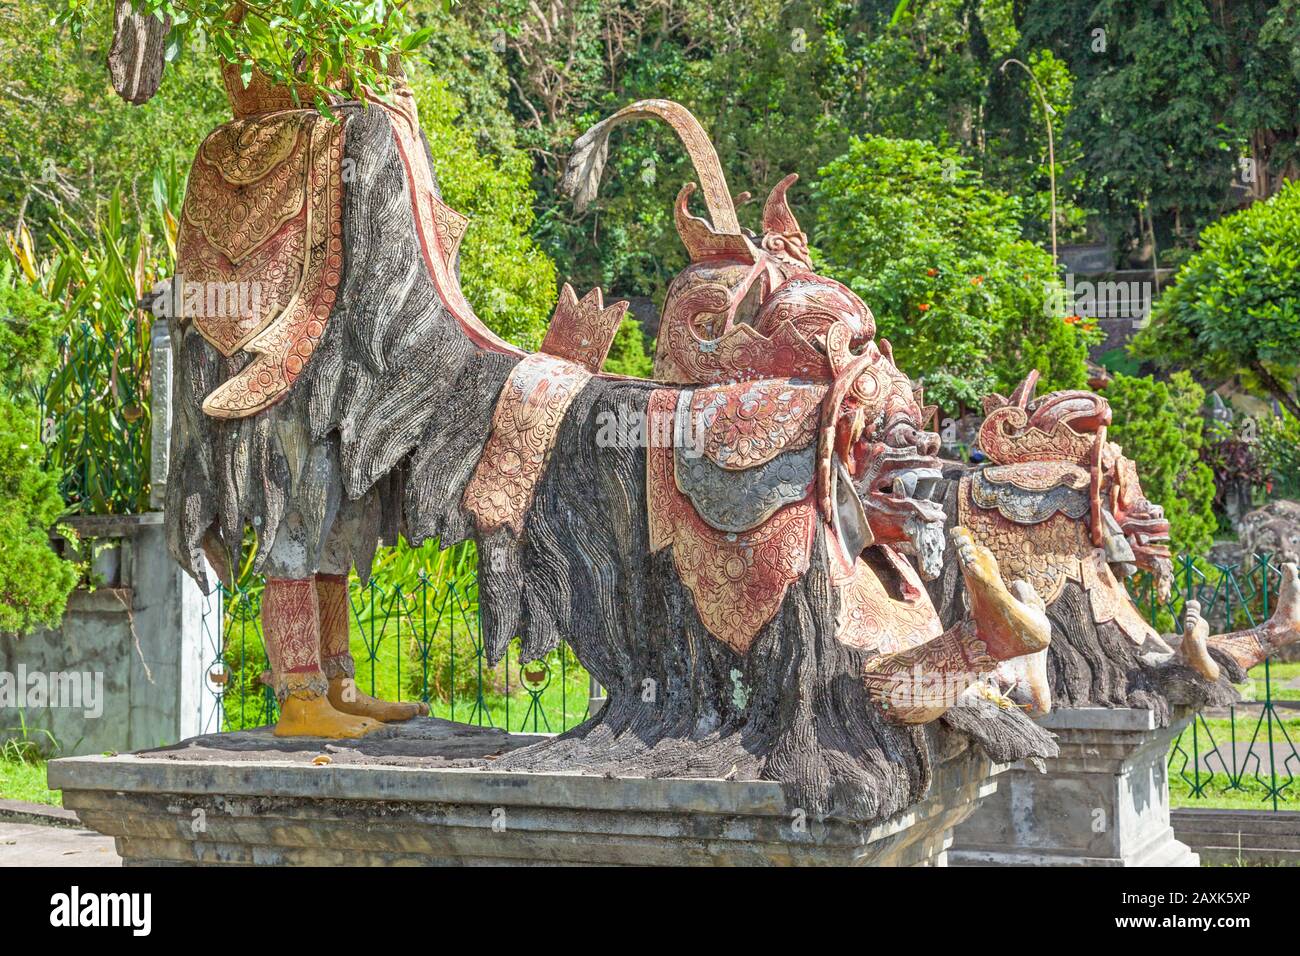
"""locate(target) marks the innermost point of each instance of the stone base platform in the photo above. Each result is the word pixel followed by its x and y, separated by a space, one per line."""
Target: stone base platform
pixel 424 793
pixel 1103 802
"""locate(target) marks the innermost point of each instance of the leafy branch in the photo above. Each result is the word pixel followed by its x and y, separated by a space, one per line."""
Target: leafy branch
pixel 316 47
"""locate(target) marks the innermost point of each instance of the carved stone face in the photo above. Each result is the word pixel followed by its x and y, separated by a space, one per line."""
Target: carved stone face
pixel 752 308
pixel 1140 525
pixel 884 451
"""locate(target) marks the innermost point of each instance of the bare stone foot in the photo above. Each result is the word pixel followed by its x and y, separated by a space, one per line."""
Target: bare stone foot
pixel 1194 651
pixel 315 717
pixel 1035 692
pixel 1011 622
pixel 346 697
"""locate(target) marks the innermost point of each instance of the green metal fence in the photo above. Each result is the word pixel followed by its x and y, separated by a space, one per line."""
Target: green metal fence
pixel 1249 751
pixel 415 642
pixel 422 641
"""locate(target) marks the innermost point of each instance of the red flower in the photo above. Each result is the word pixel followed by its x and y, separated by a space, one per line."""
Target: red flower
pixel 932 272
pixel 924 306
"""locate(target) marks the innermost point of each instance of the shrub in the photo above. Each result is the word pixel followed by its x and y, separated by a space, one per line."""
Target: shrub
pixel 34 581
pixel 939 258
pixel 1235 305
pixel 1160 426
pixel 1279 452
pixel 627 356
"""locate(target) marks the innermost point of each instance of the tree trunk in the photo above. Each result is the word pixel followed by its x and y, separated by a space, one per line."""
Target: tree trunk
pixel 1275 388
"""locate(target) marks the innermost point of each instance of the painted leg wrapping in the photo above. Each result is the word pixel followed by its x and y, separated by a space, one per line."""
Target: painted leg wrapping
pixel 922 683
pixel 290 627
pixel 332 599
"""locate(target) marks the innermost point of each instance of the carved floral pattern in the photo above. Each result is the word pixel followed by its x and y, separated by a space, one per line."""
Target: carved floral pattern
pixel 737 580
pixel 1045 554
pixel 750 423
pixel 524 425
pixel 290 629
pixel 332 603
pixel 1050 552
pixel 285 345
pixel 582 330
pixel 873 620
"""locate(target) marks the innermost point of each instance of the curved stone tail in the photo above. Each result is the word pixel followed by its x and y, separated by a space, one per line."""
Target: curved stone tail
pixel 590 151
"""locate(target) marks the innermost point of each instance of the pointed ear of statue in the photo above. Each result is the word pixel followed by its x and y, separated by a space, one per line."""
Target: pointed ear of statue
pixel 702 241
pixel 1024 393
pixel 777 217
pixel 138 54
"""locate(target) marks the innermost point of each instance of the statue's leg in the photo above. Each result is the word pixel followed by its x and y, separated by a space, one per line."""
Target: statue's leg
pixel 290 627
pixel 336 657
pixel 1249 647
pixel 919 684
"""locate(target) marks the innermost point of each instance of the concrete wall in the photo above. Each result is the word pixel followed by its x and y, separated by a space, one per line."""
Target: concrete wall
pixel 136 651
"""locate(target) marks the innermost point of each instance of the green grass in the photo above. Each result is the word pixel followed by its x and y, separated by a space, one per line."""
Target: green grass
pixel 24 779
pixel 1279 674
pixel 1252 791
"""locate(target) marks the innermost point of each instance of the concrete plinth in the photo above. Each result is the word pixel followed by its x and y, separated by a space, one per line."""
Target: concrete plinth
pixel 424 793
pixel 1103 802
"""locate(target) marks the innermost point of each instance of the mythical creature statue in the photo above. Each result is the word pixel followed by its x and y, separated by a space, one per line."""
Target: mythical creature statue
pixel 728 550
pixel 1062 508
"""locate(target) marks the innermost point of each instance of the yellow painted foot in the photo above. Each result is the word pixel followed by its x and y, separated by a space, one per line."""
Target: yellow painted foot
pixel 315 717
pixel 346 697
pixel 1010 621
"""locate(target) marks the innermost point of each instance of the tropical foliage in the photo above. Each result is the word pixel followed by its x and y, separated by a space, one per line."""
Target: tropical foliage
pixel 1160 426
pixel 1235 306
pixel 925 156
pixel 966 302
pixel 34 582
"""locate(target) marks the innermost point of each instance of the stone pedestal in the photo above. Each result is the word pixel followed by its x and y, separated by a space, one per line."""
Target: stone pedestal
pixel 424 793
pixel 1103 802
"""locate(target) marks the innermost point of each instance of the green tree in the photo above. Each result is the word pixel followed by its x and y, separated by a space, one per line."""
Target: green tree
pixel 1279 451
pixel 34 581
pixel 67 142
pixel 509 280
pixel 938 257
pixel 1160 426
pixel 1169 96
pixel 1235 305
pixel 627 355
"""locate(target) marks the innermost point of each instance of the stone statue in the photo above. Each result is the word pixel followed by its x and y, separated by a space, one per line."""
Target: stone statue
pixel 729 550
pixel 1061 507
